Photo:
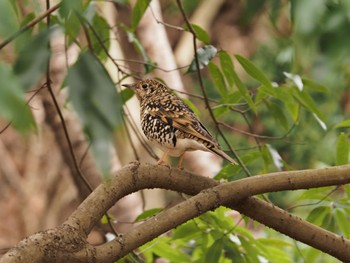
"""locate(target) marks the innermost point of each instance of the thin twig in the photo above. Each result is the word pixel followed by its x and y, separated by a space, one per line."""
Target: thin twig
pixel 315 203
pixel 191 30
pixel 257 135
pixel 59 112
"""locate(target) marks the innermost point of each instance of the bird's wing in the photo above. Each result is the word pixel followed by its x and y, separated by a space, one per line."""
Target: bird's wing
pixel 181 117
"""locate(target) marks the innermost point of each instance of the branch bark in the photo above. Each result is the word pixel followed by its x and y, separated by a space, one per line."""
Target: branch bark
pixel 68 242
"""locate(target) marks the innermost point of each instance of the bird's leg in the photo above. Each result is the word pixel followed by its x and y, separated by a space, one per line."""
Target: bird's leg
pixel 161 160
pixel 179 164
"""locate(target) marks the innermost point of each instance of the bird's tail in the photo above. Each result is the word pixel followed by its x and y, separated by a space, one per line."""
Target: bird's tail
pixel 223 155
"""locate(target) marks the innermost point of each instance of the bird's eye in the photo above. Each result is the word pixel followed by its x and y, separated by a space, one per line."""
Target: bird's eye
pixel 145 86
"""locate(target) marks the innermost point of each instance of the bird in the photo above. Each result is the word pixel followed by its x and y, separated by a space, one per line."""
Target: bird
pixel 170 124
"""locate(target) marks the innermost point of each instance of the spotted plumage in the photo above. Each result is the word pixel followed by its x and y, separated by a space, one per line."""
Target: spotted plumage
pixel 170 124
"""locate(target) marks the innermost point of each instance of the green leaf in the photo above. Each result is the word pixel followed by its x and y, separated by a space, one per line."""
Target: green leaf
pixel 192 106
pixel 70 11
pixel 23 39
pixel 68 7
pixel 165 250
pixel 96 101
pixel 342 150
pixel 342 220
pixel 232 251
pixel 201 34
pixel 218 79
pixel 243 90
pixel 285 94
pixel 8 19
pixel 214 251
pixel 251 251
pixel 104 220
pixel 343 124
pixel 33 59
pixel 148 213
pixel 101 27
pixel 312 85
pixel 256 73
pixel 278 114
pixel 306 100
pixel 137 12
pixel 227 67
pixel 126 94
pixel 186 230
pixel 205 54
pixel 12 103
pixel 149 65
pixel 231 171
pixel 318 214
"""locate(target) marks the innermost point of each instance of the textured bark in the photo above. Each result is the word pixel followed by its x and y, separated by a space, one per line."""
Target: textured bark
pixel 67 242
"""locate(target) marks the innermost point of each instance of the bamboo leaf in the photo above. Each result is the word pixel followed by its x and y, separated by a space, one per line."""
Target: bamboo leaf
pixel 217 78
pixel 256 73
pixel 137 12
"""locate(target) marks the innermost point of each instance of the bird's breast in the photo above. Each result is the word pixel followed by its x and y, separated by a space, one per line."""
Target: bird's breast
pixel 158 131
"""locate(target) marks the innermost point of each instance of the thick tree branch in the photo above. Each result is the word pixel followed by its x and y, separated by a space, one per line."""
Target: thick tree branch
pixel 208 195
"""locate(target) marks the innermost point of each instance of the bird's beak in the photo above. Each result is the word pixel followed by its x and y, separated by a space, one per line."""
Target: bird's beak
pixel 129 86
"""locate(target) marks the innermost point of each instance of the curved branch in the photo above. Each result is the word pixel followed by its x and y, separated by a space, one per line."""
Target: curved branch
pixel 209 195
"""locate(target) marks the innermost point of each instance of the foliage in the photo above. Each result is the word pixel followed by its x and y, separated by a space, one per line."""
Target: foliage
pixel 291 87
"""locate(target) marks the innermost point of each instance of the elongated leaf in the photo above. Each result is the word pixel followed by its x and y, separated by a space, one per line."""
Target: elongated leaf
pixel 93 95
pixel 278 114
pixel 205 54
pixel 306 100
pixel 342 150
pixel 8 19
pixel 164 250
pixel 149 65
pixel 244 91
pixel 193 107
pixel 342 220
pixel 201 34
pixel 253 71
pixel 26 36
pixel 256 73
pixel 33 59
pixel 126 94
pixel 217 78
pixel 68 7
pixel 343 124
pixel 101 27
pixel 138 11
pixel 227 67
pixel 285 94
pixel 186 231
pixel 318 214
pixel 312 85
pixel 12 103
pixel 214 252
pixel 69 12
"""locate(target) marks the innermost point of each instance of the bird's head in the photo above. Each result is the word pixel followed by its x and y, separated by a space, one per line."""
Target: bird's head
pixel 146 88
